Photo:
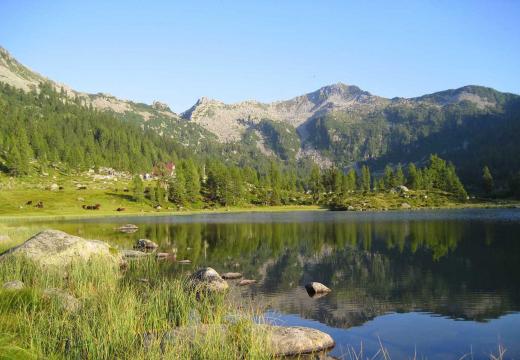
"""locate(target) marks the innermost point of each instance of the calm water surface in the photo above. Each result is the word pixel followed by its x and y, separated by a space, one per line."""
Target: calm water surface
pixel 439 283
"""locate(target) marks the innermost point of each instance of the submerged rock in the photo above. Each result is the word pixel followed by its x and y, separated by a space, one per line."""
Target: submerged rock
pixel 246 282
pixel 13 285
pixel 314 288
pixel 231 275
pixel 210 279
pixel 57 248
pixel 67 301
pixel 128 228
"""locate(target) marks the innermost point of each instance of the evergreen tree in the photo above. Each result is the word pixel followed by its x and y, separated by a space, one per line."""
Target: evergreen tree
pixel 159 193
pixel 315 185
pixel 365 182
pixel 399 176
pixel 138 188
pixel 413 180
pixel 487 180
pixel 192 179
pixel 388 178
pixel 177 188
pixel 351 180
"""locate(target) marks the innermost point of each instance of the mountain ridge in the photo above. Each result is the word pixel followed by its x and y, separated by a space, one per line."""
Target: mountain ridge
pixel 337 124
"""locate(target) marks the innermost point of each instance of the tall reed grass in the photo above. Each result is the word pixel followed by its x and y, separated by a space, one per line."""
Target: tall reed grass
pixel 121 316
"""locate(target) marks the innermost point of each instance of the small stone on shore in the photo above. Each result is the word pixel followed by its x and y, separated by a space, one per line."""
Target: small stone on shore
pixel 13 285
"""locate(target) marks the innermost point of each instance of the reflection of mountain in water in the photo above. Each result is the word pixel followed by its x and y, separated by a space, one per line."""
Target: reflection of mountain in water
pixel 464 269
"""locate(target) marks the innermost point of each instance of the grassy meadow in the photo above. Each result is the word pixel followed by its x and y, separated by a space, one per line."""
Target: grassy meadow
pixel 122 315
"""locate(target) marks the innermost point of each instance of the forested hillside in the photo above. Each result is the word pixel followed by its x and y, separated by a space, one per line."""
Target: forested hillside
pixel 44 123
pixel 48 128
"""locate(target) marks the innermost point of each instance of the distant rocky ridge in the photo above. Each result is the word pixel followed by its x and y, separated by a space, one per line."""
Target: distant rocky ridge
pixel 336 124
pixel 229 121
pixel 157 116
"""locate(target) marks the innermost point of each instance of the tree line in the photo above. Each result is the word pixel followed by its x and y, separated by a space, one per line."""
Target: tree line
pixel 215 183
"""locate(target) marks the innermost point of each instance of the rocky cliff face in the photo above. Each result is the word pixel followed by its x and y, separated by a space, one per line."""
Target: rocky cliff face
pixel 230 121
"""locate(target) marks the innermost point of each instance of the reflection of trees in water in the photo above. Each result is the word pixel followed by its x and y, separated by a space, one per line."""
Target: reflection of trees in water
pixel 461 269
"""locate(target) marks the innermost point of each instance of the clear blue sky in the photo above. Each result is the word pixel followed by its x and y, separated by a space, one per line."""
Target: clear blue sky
pixel 267 50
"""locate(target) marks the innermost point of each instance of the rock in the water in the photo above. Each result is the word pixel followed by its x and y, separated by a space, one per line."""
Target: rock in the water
pixel 66 300
pixel 314 288
pixel 13 285
pixel 405 206
pixel 146 244
pixel 246 282
pixel 209 279
pixel 231 275
pixel 57 248
pixel 133 254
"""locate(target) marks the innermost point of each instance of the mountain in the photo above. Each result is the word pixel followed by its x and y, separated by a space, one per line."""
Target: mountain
pixel 229 122
pixel 340 124
pixel 157 116
pixel 472 126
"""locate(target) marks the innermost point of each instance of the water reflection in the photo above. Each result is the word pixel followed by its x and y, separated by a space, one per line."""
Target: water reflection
pixel 461 265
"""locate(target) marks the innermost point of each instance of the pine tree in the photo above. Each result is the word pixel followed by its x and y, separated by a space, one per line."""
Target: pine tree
pixel 315 185
pixel 192 179
pixel 138 188
pixel 399 176
pixel 388 177
pixel 177 188
pixel 365 183
pixel 351 180
pixel 487 180
pixel 413 177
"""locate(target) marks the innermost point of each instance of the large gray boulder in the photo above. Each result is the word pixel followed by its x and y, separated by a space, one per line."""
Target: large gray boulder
pixel 57 248
pixel 208 278
pixel 296 340
pixel 280 340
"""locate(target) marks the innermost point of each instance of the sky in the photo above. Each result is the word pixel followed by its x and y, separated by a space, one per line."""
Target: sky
pixel 179 51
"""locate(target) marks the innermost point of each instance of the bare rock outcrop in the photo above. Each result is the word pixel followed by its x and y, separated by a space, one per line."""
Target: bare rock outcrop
pixel 57 248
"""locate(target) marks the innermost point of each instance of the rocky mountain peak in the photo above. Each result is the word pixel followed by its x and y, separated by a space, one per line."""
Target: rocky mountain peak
pixel 157 105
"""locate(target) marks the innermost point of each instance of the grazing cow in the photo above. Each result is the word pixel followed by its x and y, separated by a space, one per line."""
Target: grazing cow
pixel 120 209
pixel 91 207
pixel 39 205
pixel 28 202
